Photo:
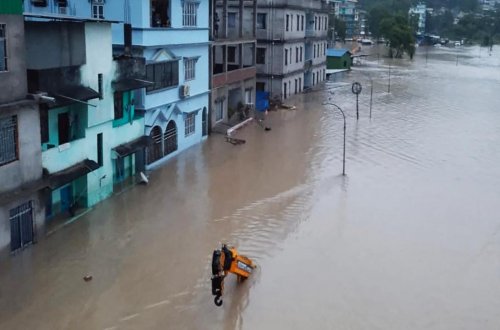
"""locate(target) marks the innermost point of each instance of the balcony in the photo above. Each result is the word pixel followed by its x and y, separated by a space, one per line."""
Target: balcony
pixel 225 78
pixel 65 155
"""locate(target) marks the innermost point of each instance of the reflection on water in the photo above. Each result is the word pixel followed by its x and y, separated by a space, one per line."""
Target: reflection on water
pixel 409 239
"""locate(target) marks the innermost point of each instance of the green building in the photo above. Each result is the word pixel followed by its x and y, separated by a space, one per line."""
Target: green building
pixel 338 59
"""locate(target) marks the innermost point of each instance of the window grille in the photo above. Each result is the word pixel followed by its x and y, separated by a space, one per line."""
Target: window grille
pixel 189 124
pixel 189 13
pixel 3 47
pixel 8 140
pixel 189 69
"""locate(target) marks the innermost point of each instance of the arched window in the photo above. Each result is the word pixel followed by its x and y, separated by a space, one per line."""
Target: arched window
pixel 155 150
pixel 204 122
pixel 170 138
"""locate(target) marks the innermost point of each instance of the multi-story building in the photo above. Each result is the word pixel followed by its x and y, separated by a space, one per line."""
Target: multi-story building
pixel 21 209
pixel 419 12
pixel 91 135
pixel 346 10
pixel 487 5
pixel 172 35
pixel 291 45
pixel 233 35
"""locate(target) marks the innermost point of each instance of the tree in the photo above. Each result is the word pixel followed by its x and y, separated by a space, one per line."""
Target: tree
pixel 399 34
pixel 340 28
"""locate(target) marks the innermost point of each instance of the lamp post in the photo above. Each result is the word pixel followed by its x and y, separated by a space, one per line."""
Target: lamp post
pixel 343 116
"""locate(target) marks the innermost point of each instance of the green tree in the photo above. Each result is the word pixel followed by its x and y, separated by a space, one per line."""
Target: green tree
pixel 399 34
pixel 340 28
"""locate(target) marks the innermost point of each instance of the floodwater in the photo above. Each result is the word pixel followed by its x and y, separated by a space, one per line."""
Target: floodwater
pixel 408 239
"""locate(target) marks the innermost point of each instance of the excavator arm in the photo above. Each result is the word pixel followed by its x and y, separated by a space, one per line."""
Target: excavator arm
pixel 224 261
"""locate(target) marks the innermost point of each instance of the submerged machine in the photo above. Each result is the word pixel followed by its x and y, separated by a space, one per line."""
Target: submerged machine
pixel 224 261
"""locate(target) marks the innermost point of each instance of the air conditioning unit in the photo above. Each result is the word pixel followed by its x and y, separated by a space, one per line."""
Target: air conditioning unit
pixel 184 91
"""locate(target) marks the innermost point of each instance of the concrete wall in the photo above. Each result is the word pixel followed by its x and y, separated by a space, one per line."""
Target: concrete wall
pixel 26 169
pixel 294 63
pixel 13 84
pixel 54 44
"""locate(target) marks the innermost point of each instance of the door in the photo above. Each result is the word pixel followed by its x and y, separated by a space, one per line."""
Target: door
pixel 63 127
pixel 66 198
pixel 204 123
pixel 21 226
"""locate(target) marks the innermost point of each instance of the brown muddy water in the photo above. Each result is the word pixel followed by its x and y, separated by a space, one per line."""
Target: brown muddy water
pixel 408 239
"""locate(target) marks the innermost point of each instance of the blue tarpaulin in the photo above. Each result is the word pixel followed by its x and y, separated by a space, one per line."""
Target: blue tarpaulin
pixel 262 101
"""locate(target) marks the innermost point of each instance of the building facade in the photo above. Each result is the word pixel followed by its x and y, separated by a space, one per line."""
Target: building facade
pixel 419 14
pixel 291 46
pixel 233 71
pixel 21 206
pixel 90 133
pixel 346 10
pixel 173 37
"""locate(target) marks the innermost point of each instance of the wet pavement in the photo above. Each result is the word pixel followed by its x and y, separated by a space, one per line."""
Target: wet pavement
pixel 408 239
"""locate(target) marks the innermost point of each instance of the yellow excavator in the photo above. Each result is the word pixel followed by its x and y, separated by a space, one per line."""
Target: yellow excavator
pixel 224 261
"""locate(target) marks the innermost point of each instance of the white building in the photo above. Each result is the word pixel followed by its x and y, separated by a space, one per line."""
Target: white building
pixel 420 11
pixel 291 45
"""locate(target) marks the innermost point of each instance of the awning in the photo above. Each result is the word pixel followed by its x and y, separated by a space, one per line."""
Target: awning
pixel 23 192
pixel 58 179
pixel 131 147
pixel 128 84
pixel 72 94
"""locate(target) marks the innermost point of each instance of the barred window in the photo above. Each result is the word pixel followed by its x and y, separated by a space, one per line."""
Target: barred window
pixel 189 124
pixel 189 69
pixel 189 13
pixel 3 48
pixel 163 74
pixel 8 140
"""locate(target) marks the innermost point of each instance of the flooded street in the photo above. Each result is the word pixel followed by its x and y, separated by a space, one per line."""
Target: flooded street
pixel 408 239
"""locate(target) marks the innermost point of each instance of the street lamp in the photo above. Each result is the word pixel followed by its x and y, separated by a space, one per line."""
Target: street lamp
pixel 343 115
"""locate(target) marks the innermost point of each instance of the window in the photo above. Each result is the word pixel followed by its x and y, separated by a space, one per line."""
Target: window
pixel 296 54
pixel 163 74
pixel 189 15
pixel 314 54
pixel 260 86
pixel 300 84
pixel 295 86
pixel 287 21
pixel 261 21
pixel 302 22
pixel 261 56
pixel 326 23
pixel 301 53
pixel 298 22
pixel 231 20
pixel 286 56
pixel 248 96
pixel 8 140
pixel 315 23
pixel 99 149
pixel 3 47
pixel 97 10
pixel 160 10
pixel 118 98
pixel 231 54
pixel 219 110
pixel 189 124
pixel 189 69
pixel 290 55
